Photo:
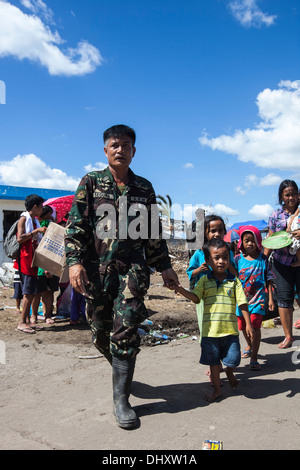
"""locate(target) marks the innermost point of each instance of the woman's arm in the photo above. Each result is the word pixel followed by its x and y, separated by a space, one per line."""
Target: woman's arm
pixel 268 251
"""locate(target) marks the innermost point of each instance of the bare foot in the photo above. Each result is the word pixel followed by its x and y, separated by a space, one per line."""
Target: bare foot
pixel 213 397
pixel 25 328
pixel 231 378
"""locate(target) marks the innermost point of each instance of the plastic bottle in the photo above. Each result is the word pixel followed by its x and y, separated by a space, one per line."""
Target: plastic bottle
pixel 147 322
pixel 159 335
pixel 142 332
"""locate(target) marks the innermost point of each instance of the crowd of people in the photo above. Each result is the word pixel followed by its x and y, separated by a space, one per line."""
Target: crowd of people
pixel 232 287
pixel 34 286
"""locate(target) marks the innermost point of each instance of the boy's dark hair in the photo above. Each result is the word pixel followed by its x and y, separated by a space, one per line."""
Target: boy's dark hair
pixel 118 131
pixel 33 200
pixel 214 243
pixel 210 218
pixel 284 185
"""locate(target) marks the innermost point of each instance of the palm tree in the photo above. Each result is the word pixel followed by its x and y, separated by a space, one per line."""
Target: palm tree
pixel 165 209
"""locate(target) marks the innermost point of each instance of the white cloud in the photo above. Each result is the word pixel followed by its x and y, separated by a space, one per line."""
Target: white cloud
pixel 219 209
pixel 252 180
pixel 96 167
pixel 270 180
pixel 27 37
pixel 38 7
pixel 261 211
pixel 249 14
pixel 188 165
pixel 35 174
pixel 275 141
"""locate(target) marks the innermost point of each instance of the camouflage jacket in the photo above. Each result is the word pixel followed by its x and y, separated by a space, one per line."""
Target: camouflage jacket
pixel 96 195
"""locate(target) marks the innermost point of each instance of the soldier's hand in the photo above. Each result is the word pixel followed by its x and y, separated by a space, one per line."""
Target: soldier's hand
pixel 78 278
pixel 170 278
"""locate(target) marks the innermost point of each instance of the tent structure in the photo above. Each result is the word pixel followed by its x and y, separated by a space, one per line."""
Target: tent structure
pixel 262 225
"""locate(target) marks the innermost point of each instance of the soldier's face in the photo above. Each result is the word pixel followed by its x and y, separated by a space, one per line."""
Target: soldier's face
pixel 119 151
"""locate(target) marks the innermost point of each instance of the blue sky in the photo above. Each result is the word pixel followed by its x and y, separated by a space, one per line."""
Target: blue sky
pixel 212 88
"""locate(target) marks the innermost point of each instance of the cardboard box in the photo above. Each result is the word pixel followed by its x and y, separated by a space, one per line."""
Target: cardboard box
pixel 50 253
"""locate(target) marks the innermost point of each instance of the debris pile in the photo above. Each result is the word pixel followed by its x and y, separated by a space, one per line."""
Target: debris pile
pixel 153 335
pixel 179 255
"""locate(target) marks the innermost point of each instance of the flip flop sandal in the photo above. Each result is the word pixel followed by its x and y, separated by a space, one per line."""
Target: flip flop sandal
pixel 29 331
pixel 286 343
pixel 246 353
pixel 297 325
pixel 255 366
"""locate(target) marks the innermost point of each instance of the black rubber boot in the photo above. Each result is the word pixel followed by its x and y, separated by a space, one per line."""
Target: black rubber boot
pixel 122 374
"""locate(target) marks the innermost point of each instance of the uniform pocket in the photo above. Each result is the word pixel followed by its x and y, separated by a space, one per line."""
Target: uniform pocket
pixel 138 281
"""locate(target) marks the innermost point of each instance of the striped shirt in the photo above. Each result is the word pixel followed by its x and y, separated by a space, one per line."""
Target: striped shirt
pixel 220 300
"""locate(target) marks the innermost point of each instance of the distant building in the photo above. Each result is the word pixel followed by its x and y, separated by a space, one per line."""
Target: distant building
pixel 12 204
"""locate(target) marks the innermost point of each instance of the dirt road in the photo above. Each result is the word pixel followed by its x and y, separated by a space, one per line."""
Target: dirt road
pixel 54 397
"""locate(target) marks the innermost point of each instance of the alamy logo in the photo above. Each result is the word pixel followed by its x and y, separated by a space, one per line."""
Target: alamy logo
pixel 296 354
pixel 2 92
pixel 139 221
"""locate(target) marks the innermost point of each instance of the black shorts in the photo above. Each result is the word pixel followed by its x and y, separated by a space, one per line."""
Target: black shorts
pixel 47 283
pixel 18 290
pixel 29 284
pixel 287 282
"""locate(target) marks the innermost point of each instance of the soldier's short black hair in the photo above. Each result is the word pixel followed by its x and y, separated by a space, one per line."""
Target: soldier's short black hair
pixel 118 131
pixel 33 200
pixel 214 243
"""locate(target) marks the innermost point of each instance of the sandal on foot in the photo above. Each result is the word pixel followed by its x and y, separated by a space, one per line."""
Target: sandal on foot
pixel 286 343
pixel 29 331
pixel 246 353
pixel 255 366
pixel 297 325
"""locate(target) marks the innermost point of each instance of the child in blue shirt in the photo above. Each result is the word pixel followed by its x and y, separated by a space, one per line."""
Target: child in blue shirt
pixel 214 227
pixel 255 275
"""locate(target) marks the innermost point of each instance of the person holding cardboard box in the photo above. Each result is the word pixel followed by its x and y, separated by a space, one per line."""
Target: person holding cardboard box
pixel 109 252
pixel 29 233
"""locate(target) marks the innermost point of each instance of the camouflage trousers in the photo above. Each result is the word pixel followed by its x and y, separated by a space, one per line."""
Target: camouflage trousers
pixel 117 308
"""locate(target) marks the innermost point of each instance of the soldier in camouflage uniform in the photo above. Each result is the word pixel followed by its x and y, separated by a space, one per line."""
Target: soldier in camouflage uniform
pixel 110 267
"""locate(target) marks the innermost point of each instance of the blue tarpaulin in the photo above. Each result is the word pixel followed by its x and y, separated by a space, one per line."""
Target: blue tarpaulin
pixel 260 224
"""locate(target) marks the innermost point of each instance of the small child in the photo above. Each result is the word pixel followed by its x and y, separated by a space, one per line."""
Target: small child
pixel 220 291
pixel 214 227
pixel 255 275
pixel 17 291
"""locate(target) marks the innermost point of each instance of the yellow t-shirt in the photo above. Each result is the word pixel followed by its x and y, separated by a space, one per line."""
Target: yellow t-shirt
pixel 219 304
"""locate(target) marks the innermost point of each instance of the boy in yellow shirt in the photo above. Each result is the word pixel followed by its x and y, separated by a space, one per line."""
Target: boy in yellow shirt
pixel 221 292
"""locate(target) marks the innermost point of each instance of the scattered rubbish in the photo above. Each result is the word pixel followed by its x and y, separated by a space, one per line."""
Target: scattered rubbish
pixel 90 357
pixel 142 332
pixel 268 324
pixel 212 445
pixel 159 335
pixel 7 275
pixel 147 322
pixel 182 335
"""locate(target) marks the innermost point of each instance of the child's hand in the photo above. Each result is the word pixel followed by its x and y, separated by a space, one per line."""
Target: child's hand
pixel 204 267
pixel 249 332
pixel 271 306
